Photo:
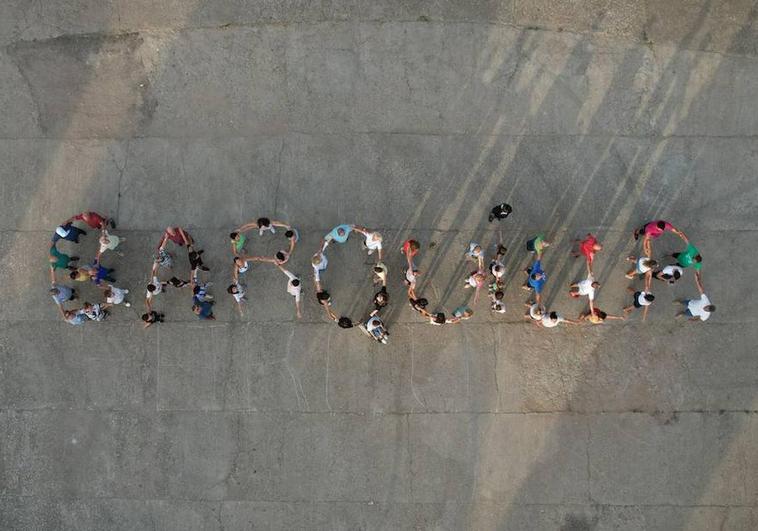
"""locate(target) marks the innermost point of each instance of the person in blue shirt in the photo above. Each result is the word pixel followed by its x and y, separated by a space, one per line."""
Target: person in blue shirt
pixel 339 234
pixel 536 279
pixel 204 310
pixel 62 293
pixel 68 232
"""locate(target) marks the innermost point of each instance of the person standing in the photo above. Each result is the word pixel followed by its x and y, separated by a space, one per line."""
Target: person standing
pixel 642 299
pixel 500 212
pixel 294 288
pixel 697 309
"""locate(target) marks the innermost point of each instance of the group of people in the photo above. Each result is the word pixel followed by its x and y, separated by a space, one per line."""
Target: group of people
pixel 93 272
pixel 242 260
pixel 667 269
pixel 372 325
pixel 645 268
pixel 202 300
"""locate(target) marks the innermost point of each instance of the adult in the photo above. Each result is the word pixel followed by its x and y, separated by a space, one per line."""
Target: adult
pixel 500 212
pixel 93 219
pixel 697 309
pixel 68 232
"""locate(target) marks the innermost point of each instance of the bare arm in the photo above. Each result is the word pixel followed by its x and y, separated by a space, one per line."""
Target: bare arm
pixel 699 282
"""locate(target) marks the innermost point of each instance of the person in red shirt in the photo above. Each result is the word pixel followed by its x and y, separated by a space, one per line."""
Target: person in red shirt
pixel 177 235
pixel 93 219
pixel 587 248
pixel 410 249
pixel 653 230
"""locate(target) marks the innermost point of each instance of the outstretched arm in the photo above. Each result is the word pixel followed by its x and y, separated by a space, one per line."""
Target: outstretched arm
pixel 699 282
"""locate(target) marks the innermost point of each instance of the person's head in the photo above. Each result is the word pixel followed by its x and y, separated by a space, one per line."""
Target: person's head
pixel 151 288
pixel 553 316
pixel 439 318
pixel 263 223
pixel 54 291
pixel 413 245
pixel 661 225
pixel 345 322
pixel 87 306
pixel 375 236
pixel 497 269
pixel 323 297
pixel 108 294
pixel 380 297
pixel 677 274
pixel 69 313
pixel 196 290
pixel 501 249
pixel 146 317
pixel 477 249
pixel 238 261
pixel 233 235
pixel 289 233
pixel 697 258
pixel 73 275
pixel 499 295
pixel 232 289
pixel 295 282
pixel 649 297
pixel 537 276
pixel 468 312
pixel 480 277
pixel 649 262
pixel 574 291
pixel 709 308
pixel 316 259
pixel 600 314
pixel 341 231
pixel 595 284
pixel 195 308
pixel 280 256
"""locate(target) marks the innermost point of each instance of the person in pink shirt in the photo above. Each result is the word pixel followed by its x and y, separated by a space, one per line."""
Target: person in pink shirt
pixel 93 219
pixel 587 248
pixel 655 229
pixel 177 235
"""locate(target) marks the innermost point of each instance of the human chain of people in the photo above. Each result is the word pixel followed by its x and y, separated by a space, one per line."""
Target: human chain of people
pixel 484 275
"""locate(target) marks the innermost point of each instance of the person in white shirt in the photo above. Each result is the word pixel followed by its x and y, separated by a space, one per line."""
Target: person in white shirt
pixel 584 288
pixel 319 263
pixel 670 274
pixel 535 311
pixel 476 253
pixel 553 319
pixel 114 295
pixel 294 288
pixel 697 309
pixel 238 291
pixel 642 266
pixel 373 241
pixel 642 299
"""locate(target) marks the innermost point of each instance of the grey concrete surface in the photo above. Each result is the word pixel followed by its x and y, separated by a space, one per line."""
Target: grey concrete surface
pixel 412 117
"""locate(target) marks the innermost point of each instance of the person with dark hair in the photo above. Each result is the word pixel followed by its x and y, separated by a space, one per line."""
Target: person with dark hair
pixel 99 272
pixel 238 240
pixel 653 230
pixel 338 234
pixel 62 293
pixel 69 232
pixel 178 282
pixel 59 260
pixel 325 300
pixel 381 298
pixel 535 279
pixel 642 299
pixel 697 309
pixel 475 280
pixel 497 304
pixel 419 305
pixel 204 310
pixel 691 257
pixel 553 319
pixel 345 322
pixel 598 316
pixel 294 288
pixel 497 268
pixel 583 288
pixel 196 259
pixel 80 274
pixel 237 290
pixel 319 263
pixel 96 312
pixel 154 288
pixel 115 296
pixel 438 319
pixel 670 274
pixel 374 327
pixel 152 317
pixel 500 212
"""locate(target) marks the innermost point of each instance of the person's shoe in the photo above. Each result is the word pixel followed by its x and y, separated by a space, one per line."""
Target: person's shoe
pixel 370 252
pixel 492 217
pixel 112 223
pixel 127 304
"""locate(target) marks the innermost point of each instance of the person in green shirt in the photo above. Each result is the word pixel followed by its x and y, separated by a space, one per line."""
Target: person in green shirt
pixel 689 257
pixel 59 260
pixel 238 242
pixel 537 245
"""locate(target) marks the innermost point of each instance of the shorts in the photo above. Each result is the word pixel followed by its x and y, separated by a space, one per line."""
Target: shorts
pixel 637 299
pixel 530 245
